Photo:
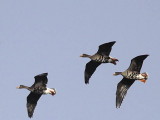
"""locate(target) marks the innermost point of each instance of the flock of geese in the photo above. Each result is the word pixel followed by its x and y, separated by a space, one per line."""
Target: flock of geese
pixel 102 56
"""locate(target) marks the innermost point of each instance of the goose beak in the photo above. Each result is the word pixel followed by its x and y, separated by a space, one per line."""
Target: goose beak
pixel 144 81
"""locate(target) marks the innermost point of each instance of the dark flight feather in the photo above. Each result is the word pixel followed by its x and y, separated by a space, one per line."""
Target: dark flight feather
pixel 32 99
pixel 122 88
pixel 105 48
pixel 40 80
pixel 90 69
pixel 137 62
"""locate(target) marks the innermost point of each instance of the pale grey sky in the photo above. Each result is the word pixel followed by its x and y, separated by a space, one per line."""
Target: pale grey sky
pixel 39 36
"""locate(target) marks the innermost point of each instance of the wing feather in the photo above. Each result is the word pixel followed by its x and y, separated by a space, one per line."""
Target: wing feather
pixel 105 48
pixel 122 88
pixel 90 69
pixel 32 99
pixel 41 80
pixel 137 62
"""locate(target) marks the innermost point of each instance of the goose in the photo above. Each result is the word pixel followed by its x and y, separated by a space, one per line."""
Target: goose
pixel 129 77
pixel 102 56
pixel 36 90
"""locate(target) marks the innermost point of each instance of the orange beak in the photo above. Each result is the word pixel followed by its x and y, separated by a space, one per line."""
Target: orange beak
pixel 143 80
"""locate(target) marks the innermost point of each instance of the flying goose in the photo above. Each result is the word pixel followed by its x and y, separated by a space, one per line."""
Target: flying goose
pixel 129 76
pixel 36 90
pixel 102 56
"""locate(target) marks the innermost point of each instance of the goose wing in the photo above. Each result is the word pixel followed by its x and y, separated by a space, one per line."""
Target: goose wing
pixel 105 48
pixel 90 69
pixel 41 80
pixel 137 62
pixel 122 88
pixel 32 99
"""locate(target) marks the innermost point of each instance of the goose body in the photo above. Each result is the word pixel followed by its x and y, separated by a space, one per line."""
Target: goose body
pixel 102 56
pixel 134 75
pixel 36 90
pixel 129 77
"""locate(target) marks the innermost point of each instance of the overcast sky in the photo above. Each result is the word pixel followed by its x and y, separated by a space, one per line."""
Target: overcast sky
pixel 38 36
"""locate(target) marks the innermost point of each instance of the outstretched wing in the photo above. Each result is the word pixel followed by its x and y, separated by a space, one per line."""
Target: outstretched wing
pixel 90 69
pixel 105 48
pixel 137 62
pixel 41 80
pixel 32 99
pixel 122 88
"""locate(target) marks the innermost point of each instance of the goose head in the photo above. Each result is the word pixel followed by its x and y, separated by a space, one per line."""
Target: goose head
pixel 113 60
pixel 51 91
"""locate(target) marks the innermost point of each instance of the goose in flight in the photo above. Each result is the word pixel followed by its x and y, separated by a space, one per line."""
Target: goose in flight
pixel 36 90
pixel 129 77
pixel 102 56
